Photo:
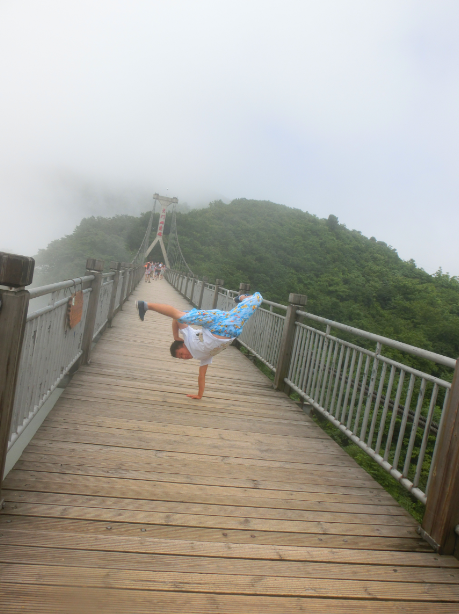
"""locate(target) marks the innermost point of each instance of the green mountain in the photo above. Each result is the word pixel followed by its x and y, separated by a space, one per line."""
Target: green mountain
pixel 346 276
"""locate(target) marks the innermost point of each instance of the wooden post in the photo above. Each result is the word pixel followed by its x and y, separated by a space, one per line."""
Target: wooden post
pixel 131 282
pixel 442 509
pixel 285 352
pixel 93 267
pixel 15 272
pixel 139 274
pixel 218 283
pixel 201 294
pixel 125 266
pixel 243 289
pixel 193 284
pixel 114 266
pixel 134 278
pixel 186 286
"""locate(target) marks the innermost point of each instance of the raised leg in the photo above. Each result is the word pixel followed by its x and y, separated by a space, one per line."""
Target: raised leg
pixel 166 310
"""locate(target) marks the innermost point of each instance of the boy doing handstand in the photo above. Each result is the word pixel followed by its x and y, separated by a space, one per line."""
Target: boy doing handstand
pixel 219 328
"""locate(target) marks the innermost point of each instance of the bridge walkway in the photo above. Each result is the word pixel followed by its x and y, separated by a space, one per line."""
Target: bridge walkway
pixel 134 498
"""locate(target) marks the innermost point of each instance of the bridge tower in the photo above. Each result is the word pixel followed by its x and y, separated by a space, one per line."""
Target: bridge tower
pixel 165 202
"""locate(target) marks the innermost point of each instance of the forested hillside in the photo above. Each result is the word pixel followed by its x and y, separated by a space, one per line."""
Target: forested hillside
pixel 346 276
pixel 117 238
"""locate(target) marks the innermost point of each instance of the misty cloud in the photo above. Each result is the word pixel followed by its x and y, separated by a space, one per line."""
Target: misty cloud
pixel 335 107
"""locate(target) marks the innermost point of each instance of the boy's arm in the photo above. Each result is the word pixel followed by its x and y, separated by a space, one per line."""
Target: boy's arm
pixel 176 326
pixel 201 383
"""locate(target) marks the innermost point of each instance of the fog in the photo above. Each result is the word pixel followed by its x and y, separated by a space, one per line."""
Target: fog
pixel 331 106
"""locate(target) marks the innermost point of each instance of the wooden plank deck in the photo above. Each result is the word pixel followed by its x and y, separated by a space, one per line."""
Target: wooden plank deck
pixel 133 498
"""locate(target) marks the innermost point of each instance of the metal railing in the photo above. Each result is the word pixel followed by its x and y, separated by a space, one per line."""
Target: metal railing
pixel 119 290
pixel 103 304
pixel 262 334
pixel 208 295
pixel 50 348
pixel 390 409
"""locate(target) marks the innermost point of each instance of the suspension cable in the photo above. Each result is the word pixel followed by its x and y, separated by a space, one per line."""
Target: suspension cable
pixel 139 257
pixel 174 252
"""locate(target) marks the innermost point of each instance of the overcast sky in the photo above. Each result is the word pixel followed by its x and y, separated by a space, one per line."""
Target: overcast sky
pixel 347 107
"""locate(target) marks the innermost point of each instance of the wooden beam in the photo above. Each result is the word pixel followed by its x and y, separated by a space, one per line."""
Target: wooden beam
pixel 125 266
pixel 193 284
pixel 295 302
pixel 15 272
pixel 114 266
pixel 218 284
pixel 92 307
pixel 442 510
pixel 201 294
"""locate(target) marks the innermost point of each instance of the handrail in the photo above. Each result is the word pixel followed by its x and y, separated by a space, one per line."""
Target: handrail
pixel 60 285
pixel 392 343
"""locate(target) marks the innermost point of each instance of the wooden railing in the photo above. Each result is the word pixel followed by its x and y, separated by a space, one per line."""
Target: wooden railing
pixel 39 345
pixel 405 419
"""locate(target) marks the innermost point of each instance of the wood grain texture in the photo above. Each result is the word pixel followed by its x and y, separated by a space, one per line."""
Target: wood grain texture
pixel 134 498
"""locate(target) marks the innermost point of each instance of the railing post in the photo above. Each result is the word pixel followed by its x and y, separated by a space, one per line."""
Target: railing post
pixel 218 283
pixel 134 276
pixel 125 266
pixel 243 288
pixel 201 294
pixel 93 267
pixel 130 282
pixel 285 352
pixel 114 266
pixel 15 272
pixel 193 285
pixel 442 510
pixel 186 286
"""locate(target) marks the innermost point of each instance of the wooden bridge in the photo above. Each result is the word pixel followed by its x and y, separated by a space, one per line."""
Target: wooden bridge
pixel 132 498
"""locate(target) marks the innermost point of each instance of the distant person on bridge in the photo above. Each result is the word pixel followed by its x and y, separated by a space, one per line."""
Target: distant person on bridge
pixel 147 271
pixel 219 328
pixel 158 271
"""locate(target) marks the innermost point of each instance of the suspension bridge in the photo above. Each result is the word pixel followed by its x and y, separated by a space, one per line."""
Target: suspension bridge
pixel 121 494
